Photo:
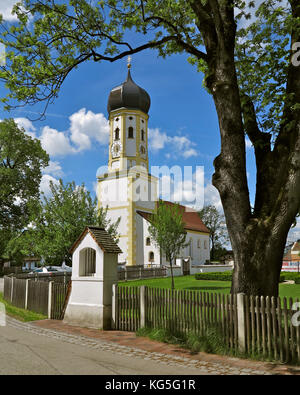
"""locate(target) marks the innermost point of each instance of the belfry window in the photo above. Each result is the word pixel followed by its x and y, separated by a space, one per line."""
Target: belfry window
pixel 151 256
pixel 148 241
pixel 130 132
pixel 117 134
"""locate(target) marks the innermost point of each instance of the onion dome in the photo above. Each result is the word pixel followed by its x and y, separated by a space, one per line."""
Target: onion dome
pixel 128 95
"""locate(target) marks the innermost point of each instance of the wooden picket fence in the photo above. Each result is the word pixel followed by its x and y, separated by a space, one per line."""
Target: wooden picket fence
pixel 59 293
pixel 270 330
pixel 43 297
pixel 127 308
pixel 259 326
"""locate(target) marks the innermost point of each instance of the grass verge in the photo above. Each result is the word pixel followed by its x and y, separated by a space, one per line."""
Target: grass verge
pixel 212 342
pixel 20 314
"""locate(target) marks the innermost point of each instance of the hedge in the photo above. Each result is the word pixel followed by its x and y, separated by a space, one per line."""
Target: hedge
pixel 285 276
pixel 218 276
pixel 227 276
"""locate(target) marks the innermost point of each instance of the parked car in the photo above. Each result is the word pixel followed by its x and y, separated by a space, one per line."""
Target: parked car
pixel 40 270
pixel 59 269
pixel 51 269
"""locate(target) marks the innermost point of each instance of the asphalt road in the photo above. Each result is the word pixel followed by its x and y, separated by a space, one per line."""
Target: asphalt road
pixel 24 352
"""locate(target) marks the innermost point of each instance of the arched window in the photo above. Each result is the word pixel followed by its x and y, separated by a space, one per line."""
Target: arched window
pixel 151 256
pixel 130 132
pixel 117 134
pixel 87 262
pixel 148 242
pixel 142 135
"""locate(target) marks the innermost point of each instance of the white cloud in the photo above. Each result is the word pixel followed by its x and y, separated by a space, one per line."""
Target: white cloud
pixel 178 145
pixel 190 152
pixel 45 184
pixel 212 197
pixel 87 126
pixel 157 140
pixel 54 168
pixel 6 7
pixel 56 143
pixel 27 125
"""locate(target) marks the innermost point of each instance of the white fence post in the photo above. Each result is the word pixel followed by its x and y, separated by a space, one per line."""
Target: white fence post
pixel 114 317
pixel 241 322
pixel 143 306
pixel 49 299
pixel 26 294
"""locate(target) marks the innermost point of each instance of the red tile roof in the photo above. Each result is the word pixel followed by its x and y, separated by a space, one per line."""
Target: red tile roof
pixel 296 246
pixel 190 217
pixel 293 257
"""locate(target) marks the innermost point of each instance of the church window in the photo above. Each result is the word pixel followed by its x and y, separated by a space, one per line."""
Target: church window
pixel 199 243
pixel 142 135
pixel 148 241
pixel 117 134
pixel 130 132
pixel 151 256
pixel 205 244
pixel 117 119
pixel 130 118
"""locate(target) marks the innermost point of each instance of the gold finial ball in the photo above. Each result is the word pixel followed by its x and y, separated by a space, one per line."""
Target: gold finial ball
pixel 129 59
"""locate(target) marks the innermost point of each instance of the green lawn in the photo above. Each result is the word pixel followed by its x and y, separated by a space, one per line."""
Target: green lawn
pixel 211 286
pixel 20 314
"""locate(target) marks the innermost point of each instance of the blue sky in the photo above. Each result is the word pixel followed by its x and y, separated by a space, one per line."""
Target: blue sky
pixel 183 125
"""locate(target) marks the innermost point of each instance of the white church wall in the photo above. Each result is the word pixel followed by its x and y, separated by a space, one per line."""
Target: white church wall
pixel 113 192
pixel 210 268
pixel 140 245
pixel 147 249
pixel 198 252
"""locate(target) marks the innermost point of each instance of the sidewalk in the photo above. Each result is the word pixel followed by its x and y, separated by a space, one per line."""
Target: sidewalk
pixel 129 339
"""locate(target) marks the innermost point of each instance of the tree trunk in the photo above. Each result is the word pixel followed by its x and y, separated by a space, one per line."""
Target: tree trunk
pixel 258 257
pixel 258 238
pixel 172 277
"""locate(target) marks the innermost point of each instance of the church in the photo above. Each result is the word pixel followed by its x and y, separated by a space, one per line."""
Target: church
pixel 130 192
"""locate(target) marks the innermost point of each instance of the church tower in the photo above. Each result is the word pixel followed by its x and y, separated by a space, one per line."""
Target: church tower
pixel 128 187
pixel 128 107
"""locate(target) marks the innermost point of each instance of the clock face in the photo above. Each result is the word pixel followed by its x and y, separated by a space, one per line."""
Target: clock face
pixel 116 149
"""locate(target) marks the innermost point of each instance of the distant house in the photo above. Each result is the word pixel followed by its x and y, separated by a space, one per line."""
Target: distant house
pixel 291 259
pixel 227 259
pixel 31 262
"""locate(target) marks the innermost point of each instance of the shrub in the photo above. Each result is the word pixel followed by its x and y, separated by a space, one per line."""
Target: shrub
pixel 218 276
pixel 297 280
pixel 284 276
